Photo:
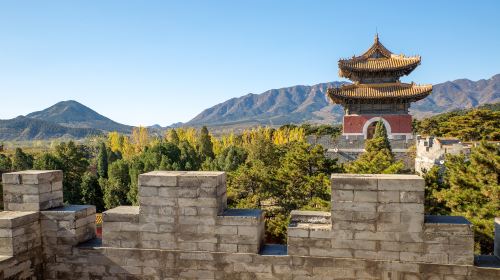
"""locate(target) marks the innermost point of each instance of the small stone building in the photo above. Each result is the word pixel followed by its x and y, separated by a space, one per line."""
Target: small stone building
pixel 182 229
pixel 431 151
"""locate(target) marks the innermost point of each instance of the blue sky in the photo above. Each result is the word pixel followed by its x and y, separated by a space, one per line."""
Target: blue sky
pixel 148 62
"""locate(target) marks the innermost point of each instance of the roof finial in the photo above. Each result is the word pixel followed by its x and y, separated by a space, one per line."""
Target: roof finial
pixel 376 35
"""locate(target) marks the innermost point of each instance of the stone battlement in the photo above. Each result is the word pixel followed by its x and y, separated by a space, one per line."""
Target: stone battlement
pixel 182 229
pixel 381 217
pixel 184 211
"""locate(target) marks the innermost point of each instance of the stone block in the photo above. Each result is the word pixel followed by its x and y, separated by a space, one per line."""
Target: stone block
pixel 388 196
pixel 19 232
pixel 377 255
pixel 342 195
pixel 121 214
pixel 365 196
pixel 312 217
pixel 383 236
pixel 354 206
pixel 32 190
pixel 369 245
pixel 364 216
pixel 411 197
pixel 159 179
pixel 354 182
pixel 399 182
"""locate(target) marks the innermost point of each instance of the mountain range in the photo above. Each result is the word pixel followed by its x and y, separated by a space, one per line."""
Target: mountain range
pixel 297 104
pixel 310 104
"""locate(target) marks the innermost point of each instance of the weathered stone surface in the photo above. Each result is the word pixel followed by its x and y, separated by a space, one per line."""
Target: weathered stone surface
pixel 170 240
pixel 32 190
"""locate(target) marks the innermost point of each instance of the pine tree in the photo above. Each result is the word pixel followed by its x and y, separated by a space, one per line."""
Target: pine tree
pixel 205 146
pixel 91 192
pixel 378 157
pixel 47 161
pixel 172 137
pixel 21 160
pixel 74 163
pixel 5 164
pixel 102 161
pixel 117 186
pixel 474 190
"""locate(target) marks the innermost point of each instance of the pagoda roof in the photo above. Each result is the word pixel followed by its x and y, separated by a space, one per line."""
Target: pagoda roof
pixel 378 58
pixel 386 92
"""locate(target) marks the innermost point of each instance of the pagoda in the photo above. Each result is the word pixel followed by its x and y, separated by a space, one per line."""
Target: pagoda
pixel 377 94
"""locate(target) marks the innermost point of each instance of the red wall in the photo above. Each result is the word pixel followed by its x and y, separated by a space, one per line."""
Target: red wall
pixel 398 123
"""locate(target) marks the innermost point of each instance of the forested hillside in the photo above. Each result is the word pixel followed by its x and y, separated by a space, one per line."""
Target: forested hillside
pixel 272 169
pixel 482 123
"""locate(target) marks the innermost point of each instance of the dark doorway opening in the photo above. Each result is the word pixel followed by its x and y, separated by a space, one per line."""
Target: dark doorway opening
pixel 371 130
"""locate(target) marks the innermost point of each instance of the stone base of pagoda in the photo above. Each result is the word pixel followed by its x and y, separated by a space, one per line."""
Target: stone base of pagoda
pixel 398 126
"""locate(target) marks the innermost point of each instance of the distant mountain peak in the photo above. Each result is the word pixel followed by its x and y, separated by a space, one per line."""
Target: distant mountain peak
pixel 71 113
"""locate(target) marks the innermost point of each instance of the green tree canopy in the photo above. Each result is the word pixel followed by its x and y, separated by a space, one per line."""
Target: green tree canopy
pixel 5 163
pixel 205 146
pixel 467 125
pixel 117 186
pixel 47 161
pixel 21 160
pixel 102 161
pixel 173 137
pixel 74 163
pixel 473 190
pixel 91 192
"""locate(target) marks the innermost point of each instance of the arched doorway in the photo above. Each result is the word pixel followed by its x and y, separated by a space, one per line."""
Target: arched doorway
pixel 369 127
pixel 371 130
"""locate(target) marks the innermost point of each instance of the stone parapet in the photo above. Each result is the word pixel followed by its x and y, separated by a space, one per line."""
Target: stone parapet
pixel 193 235
pixel 19 232
pixel 121 228
pixel 184 211
pixel 66 226
pixel 32 190
pixel 94 262
pixel 381 217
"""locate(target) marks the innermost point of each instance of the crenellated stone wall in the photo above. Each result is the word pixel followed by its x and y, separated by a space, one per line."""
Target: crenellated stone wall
pixel 182 229
pixel 184 211
pixel 381 217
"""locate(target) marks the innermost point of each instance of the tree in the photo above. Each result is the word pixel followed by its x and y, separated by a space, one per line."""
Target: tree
pixel 205 146
pixel 434 183
pixel 21 160
pixel 473 190
pixel 91 191
pixel 140 138
pixel 378 157
pixel 117 186
pixel 250 184
pixel 230 159
pixel 47 161
pixel 102 161
pixel 172 137
pixel 468 125
pixel 74 163
pixel 302 176
pixel 136 168
pixel 188 159
pixel 5 164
